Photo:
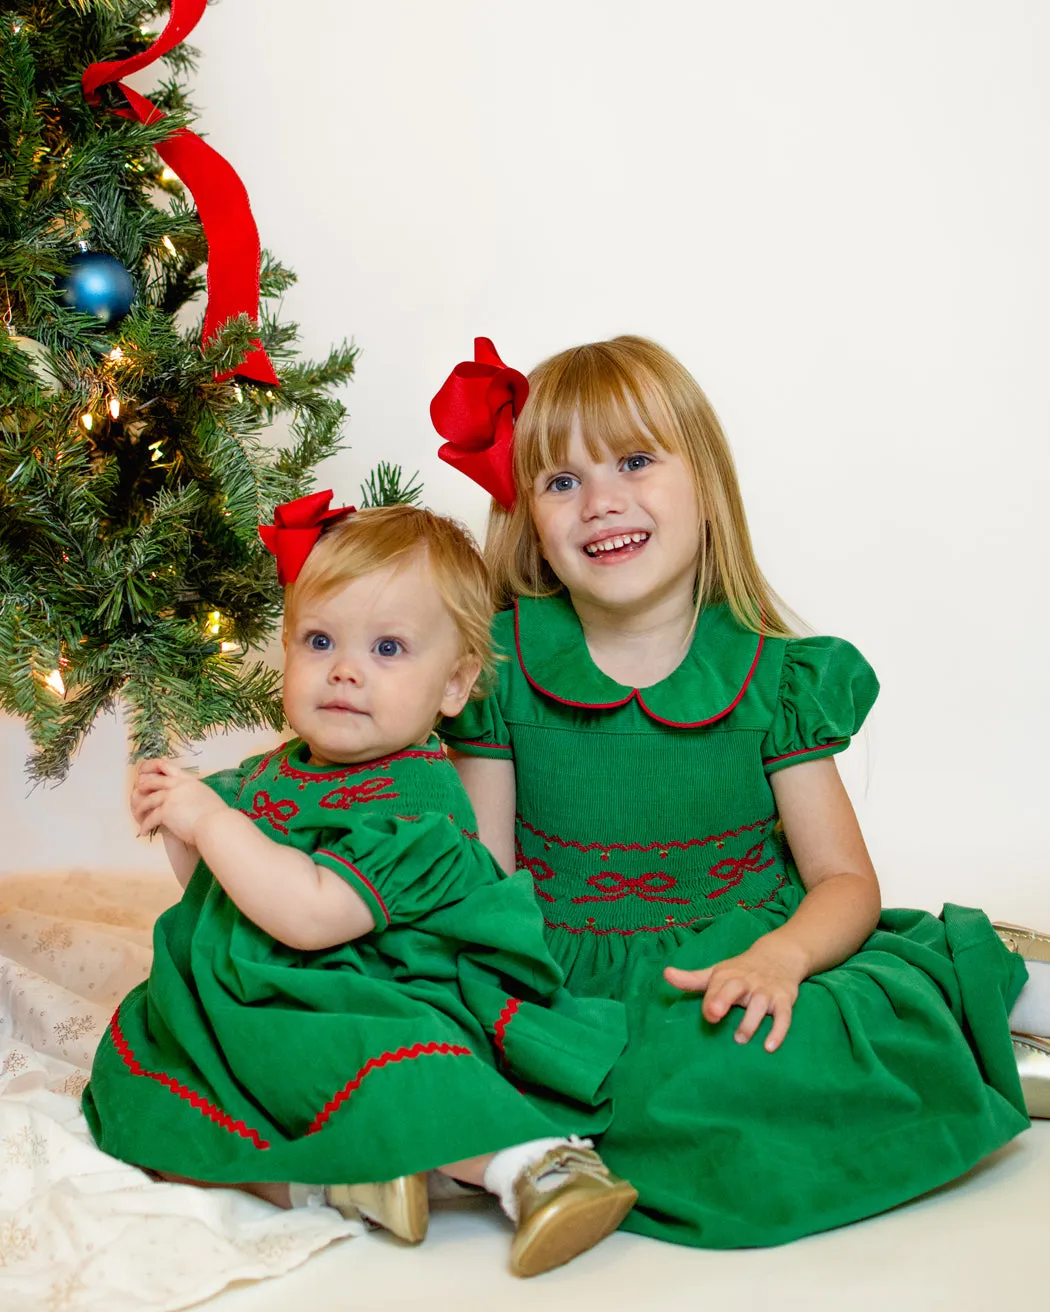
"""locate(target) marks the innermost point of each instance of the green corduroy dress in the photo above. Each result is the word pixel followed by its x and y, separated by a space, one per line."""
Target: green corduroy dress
pixel 647 822
pixel 443 1034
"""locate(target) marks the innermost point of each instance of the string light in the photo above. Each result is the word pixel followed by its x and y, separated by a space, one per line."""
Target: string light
pixel 227 647
pixel 116 354
pixel 168 244
pixel 55 683
pixel 168 174
pixel 158 450
pixel 238 394
pixel 215 622
pixel 87 420
pixel 114 408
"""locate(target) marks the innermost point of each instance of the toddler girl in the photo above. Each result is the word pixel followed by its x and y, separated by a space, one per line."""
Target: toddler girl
pixel 349 989
pixel 657 754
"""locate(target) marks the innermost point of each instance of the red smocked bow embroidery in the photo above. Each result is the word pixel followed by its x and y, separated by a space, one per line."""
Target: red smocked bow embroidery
pixel 278 814
pixel 296 527
pixel 475 412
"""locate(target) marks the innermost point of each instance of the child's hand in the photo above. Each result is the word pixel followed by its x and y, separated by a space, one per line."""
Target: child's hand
pixel 165 796
pixel 762 980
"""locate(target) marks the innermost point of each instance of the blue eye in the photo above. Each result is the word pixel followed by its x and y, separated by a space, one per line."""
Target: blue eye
pixel 562 483
pixel 319 642
pixel 388 647
pixel 636 462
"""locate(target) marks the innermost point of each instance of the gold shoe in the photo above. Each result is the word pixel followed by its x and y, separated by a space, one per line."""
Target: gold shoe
pixel 555 1225
pixel 1033 1066
pixel 399 1206
pixel 1028 943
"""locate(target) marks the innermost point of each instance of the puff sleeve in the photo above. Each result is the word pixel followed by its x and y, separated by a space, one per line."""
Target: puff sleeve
pixel 826 691
pixel 479 730
pixel 402 867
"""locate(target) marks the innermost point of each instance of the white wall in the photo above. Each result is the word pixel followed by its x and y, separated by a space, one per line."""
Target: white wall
pixel 835 213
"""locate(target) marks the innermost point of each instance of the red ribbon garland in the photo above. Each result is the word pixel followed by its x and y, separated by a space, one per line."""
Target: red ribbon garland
pixel 475 411
pixel 296 527
pixel 220 196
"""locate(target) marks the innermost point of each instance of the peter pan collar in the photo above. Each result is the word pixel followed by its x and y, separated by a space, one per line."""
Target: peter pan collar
pixel 710 681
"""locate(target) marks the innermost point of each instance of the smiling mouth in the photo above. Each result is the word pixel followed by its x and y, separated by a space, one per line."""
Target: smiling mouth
pixel 624 544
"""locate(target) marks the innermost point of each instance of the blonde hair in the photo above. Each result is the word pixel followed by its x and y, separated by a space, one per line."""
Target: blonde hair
pixel 630 395
pixel 382 536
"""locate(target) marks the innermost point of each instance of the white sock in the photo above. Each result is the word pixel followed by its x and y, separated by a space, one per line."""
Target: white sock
pixel 507 1165
pixel 1031 1012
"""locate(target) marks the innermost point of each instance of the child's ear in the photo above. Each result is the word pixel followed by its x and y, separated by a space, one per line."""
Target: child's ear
pixel 460 682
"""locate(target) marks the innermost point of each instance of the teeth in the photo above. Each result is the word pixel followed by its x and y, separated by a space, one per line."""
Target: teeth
pixel 614 544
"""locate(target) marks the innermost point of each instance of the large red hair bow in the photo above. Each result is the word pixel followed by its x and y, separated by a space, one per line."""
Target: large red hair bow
pixel 475 411
pixel 296 527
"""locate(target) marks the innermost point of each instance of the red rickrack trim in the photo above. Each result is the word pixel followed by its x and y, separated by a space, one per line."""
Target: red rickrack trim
pixel 323 851
pixel 289 771
pixel 644 847
pixel 505 1017
pixel 213 1113
pixel 376 1063
pixel 635 693
pixel 804 751
pixel 625 933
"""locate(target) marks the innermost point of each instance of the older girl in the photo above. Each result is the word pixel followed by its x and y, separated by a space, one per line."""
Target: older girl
pixel 658 753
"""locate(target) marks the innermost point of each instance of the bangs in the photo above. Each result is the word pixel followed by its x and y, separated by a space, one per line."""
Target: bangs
pixel 619 412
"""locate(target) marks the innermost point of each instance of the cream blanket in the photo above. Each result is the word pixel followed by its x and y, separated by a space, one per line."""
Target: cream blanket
pixel 78 1229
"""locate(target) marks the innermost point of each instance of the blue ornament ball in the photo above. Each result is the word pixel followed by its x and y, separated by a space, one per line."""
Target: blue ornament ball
pixel 98 284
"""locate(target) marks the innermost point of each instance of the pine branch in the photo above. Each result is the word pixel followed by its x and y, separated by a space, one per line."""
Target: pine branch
pixel 385 487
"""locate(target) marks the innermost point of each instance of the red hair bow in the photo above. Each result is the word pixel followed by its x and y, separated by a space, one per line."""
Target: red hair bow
pixel 475 411
pixel 296 527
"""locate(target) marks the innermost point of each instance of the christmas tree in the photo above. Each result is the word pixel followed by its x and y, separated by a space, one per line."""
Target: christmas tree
pixel 133 466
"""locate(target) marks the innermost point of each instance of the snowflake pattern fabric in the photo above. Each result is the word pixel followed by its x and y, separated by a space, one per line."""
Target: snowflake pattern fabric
pixel 71 945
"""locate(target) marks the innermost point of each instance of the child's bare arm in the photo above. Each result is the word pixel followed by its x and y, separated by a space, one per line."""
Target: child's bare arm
pixel 182 857
pixel 289 897
pixel 840 909
pixel 491 787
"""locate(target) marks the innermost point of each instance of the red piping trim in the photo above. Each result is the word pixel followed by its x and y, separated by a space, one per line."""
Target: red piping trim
pixel 323 851
pixel 502 1021
pixel 699 724
pixel 213 1113
pixel 634 695
pixel 374 1064
pixel 803 751
pixel 476 742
